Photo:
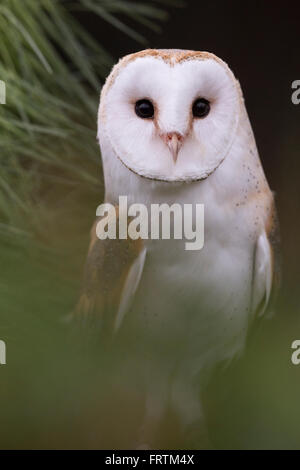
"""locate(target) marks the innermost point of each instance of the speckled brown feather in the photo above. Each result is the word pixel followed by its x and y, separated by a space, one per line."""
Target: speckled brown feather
pixel 273 233
pixel 107 267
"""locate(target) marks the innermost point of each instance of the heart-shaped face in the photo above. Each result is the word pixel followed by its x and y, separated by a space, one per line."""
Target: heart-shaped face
pixel 170 115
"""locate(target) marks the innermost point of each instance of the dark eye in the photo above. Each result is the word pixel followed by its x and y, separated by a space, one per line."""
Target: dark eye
pixel 201 108
pixel 144 109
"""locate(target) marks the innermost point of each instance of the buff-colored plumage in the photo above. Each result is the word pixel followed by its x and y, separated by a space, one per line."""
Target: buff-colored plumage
pixel 191 310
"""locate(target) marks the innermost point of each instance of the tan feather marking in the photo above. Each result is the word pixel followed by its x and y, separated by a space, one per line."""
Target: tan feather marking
pixel 271 220
pixel 272 231
pixel 107 267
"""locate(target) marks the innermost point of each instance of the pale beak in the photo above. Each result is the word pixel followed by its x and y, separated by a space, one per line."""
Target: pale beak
pixel 174 142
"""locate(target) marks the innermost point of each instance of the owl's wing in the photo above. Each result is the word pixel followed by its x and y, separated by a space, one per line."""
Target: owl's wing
pixel 266 272
pixel 112 274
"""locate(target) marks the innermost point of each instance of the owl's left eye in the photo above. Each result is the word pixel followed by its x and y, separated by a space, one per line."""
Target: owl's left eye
pixel 201 108
pixel 144 109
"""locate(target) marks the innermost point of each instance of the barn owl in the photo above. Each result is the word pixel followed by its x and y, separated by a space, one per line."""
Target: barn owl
pixel 173 128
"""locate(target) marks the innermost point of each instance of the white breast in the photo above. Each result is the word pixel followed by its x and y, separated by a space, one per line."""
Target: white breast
pixel 201 299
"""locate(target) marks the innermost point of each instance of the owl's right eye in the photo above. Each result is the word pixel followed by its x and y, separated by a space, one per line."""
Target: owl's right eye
pixel 144 109
pixel 201 108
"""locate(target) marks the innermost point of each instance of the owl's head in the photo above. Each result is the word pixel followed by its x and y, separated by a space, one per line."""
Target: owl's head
pixel 170 115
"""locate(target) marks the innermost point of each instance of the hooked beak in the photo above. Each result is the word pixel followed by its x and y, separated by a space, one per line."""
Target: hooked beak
pixel 174 142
